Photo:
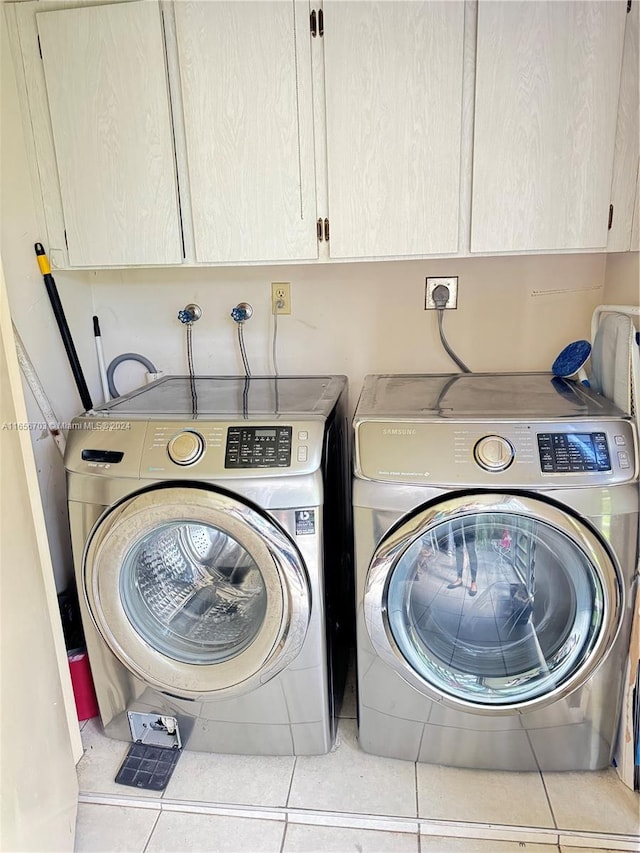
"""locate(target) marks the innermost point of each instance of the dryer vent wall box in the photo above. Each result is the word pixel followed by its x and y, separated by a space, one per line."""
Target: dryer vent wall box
pixel 496 531
pixel 224 508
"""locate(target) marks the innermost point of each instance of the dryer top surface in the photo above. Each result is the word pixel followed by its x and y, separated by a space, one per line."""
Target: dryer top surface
pixel 229 397
pixel 480 396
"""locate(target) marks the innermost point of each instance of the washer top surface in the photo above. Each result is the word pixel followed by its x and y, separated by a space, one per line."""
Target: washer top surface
pixel 229 397
pixel 479 396
pixel 210 428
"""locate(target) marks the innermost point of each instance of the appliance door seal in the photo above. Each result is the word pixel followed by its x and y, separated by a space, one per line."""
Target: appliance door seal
pixel 195 591
pixel 493 603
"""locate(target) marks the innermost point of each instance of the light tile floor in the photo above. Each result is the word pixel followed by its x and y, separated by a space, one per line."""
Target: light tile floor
pixel 346 801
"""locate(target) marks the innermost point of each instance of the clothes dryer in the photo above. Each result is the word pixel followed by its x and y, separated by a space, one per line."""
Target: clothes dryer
pixel 496 534
pixel 210 530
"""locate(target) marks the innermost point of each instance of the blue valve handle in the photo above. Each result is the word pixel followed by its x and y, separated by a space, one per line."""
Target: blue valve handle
pixel 186 316
pixel 239 314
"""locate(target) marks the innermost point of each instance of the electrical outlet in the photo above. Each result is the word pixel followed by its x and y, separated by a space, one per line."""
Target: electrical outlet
pixel 451 283
pixel 281 297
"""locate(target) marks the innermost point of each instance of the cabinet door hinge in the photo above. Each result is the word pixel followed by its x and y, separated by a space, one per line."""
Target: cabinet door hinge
pixel 326 230
pixel 610 217
pixel 316 22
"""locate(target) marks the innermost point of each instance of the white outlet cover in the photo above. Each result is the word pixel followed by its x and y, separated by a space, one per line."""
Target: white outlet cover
pixel 448 281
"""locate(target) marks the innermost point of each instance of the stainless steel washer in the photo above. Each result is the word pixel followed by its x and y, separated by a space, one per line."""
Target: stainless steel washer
pixel 496 532
pixel 210 528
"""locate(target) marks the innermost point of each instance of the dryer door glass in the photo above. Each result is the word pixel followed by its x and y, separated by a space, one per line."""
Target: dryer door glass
pixel 495 608
pixel 193 592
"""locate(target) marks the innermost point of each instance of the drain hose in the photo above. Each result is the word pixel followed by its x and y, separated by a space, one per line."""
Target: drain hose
pixel 126 356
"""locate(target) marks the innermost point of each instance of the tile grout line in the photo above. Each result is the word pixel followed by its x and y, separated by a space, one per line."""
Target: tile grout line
pixel 548 796
pixel 355 820
pixel 544 784
pixel 284 836
pixel 415 776
pixel 153 829
pixel 286 819
pixel 293 773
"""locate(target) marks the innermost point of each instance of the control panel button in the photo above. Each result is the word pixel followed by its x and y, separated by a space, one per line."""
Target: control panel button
pixel 186 447
pixel 623 459
pixel 303 435
pixel 493 453
pixel 619 440
pixel 303 453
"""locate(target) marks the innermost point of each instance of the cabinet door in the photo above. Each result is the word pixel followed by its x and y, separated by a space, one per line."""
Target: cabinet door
pixel 109 104
pixel 245 72
pixel 547 80
pixel 624 186
pixel 393 75
pixel 635 230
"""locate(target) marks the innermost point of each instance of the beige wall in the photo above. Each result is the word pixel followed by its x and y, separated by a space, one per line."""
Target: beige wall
pixel 622 279
pixel 515 313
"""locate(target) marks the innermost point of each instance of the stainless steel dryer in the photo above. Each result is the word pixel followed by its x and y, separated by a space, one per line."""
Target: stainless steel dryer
pixel 210 529
pixel 496 534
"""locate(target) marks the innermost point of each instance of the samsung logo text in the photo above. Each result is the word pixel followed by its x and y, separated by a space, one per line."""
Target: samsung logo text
pixel 398 431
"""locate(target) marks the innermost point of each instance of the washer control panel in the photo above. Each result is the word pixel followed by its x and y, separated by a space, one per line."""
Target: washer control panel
pixel 565 452
pixel 258 447
pixel 197 449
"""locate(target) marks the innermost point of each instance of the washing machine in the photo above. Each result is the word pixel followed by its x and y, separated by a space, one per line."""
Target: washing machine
pixel 496 536
pixel 210 531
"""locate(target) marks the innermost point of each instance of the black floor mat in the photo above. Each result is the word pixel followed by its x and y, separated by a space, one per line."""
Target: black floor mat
pixel 148 767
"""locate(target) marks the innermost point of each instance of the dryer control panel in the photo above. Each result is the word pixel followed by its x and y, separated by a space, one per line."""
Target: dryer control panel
pixel 563 452
pixel 484 453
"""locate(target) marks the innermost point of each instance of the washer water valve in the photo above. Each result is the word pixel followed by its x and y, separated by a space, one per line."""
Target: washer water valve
pixel 242 312
pixel 190 313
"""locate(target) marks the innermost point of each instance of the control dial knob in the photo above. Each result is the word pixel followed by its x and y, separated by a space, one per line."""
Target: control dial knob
pixel 186 447
pixel 493 453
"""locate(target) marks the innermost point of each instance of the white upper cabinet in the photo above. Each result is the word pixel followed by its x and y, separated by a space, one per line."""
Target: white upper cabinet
pixel 245 71
pixel 393 78
pixel 623 234
pixel 108 100
pixel 547 83
pixel 266 131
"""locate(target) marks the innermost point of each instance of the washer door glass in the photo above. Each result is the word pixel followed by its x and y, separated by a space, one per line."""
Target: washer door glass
pixel 193 592
pixel 497 608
